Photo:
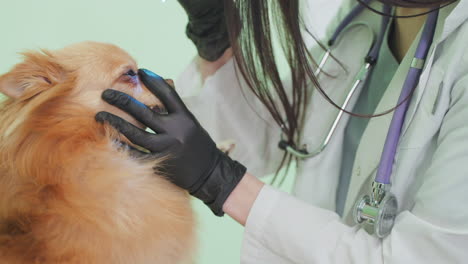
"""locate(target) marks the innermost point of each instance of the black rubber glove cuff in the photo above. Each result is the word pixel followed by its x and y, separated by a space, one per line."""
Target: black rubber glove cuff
pixel 220 183
pixel 210 35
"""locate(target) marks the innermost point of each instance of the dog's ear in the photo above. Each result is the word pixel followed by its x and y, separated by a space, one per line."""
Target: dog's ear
pixel 38 72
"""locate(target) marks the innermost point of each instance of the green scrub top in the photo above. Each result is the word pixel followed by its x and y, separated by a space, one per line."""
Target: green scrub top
pixel 369 98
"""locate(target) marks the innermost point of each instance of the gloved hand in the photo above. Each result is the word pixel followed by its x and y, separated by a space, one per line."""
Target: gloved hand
pixel 207 27
pixel 193 160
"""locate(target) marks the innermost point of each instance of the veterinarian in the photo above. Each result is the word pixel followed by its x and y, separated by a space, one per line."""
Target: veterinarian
pixel 376 117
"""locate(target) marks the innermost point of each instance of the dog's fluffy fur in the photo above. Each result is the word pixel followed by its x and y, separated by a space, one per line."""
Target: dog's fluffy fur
pixel 69 192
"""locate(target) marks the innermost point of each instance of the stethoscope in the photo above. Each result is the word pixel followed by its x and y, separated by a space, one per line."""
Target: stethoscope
pixel 378 209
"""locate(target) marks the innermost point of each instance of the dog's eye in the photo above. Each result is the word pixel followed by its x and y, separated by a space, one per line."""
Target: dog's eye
pixel 131 73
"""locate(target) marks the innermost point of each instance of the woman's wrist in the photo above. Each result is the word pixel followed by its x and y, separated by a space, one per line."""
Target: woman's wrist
pixel 208 68
pixel 242 198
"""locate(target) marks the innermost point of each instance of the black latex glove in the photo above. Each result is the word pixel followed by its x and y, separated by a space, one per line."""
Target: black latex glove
pixel 194 162
pixel 207 27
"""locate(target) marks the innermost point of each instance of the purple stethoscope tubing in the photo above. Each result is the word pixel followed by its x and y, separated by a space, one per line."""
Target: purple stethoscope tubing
pixel 384 170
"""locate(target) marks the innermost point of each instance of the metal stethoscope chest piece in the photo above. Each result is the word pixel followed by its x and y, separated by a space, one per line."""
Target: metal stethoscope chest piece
pixel 379 208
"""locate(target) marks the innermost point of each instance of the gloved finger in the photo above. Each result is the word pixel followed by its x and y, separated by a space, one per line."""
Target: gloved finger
pixel 162 90
pixel 135 108
pixel 161 149
pixel 152 142
pixel 133 151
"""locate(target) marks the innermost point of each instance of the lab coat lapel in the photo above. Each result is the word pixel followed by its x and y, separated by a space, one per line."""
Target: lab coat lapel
pixel 419 91
pixel 370 148
pixel 335 80
pixel 455 19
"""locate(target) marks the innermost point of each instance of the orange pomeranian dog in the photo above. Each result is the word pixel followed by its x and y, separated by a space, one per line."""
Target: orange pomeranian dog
pixel 70 192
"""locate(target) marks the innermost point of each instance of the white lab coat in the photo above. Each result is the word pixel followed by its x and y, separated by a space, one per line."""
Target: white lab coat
pixel 430 175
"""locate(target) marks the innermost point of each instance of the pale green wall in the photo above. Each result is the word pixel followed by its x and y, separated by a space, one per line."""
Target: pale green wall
pixel 152 32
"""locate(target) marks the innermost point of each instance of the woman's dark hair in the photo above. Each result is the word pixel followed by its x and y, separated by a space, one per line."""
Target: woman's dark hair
pixel 250 31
